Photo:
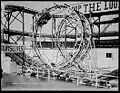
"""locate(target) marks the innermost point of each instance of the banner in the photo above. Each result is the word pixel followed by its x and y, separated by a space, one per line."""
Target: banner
pixel 11 48
pixel 99 6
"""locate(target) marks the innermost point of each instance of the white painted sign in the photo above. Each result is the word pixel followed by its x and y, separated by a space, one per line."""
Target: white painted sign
pixel 100 6
pixel 11 48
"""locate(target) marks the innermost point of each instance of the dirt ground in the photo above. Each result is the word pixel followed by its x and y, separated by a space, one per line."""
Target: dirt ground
pixel 34 84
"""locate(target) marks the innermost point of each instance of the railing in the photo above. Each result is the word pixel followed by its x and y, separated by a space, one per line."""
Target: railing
pixel 46 74
pixel 94 80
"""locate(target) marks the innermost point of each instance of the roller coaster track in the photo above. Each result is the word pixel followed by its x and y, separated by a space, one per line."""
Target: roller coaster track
pixel 14 8
pixel 77 17
pixel 73 17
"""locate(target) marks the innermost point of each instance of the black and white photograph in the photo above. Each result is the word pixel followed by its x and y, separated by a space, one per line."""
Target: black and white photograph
pixel 59 45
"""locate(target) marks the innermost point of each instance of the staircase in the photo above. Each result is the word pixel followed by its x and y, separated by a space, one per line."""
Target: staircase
pixel 18 58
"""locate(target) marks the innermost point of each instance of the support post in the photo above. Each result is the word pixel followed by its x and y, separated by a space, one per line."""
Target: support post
pixel 54 22
pixel 65 35
pixel 91 43
pixel 33 27
pixel 35 30
pixel 37 72
pixel 99 31
pixel 96 81
pixel 23 39
pixel 8 19
pixel 52 31
pixel 75 36
pixel 17 68
pixel 77 80
pixel 90 68
pixel 2 32
pixel 48 74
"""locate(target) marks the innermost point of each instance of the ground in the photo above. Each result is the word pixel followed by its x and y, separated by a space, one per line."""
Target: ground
pixel 31 83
